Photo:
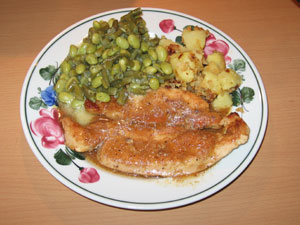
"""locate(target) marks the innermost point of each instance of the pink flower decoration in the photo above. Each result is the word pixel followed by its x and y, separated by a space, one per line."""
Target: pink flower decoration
pixel 167 25
pixel 212 45
pixel 48 127
pixel 89 175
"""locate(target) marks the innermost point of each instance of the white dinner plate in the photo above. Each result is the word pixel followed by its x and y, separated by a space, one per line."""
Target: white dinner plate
pixel 42 131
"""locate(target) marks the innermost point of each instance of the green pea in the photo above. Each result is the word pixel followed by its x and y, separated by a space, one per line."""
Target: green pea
pixel 96 25
pixel 73 51
pixel 94 69
pixel 91 59
pixel 91 49
pixel 60 85
pixel 122 42
pixel 150 70
pixel 113 51
pixel 80 68
pixel 154 83
pixel 166 68
pixel 144 46
pixel 65 97
pixel 124 52
pixel 152 54
pixel 65 67
pixel 96 82
pixel 96 39
pixel 99 52
pixel 136 65
pixel 102 97
pixel 147 62
pixel 76 104
pixel 134 41
pixel 161 53
pixel 82 48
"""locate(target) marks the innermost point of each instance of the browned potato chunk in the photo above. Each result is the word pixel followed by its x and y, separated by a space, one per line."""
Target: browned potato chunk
pixel 218 59
pixel 222 102
pixel 186 65
pixel 229 80
pixel 194 38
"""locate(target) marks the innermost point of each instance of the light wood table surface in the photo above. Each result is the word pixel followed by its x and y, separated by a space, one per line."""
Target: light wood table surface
pixel 268 192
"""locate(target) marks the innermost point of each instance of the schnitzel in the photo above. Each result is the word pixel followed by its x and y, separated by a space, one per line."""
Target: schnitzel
pixel 166 133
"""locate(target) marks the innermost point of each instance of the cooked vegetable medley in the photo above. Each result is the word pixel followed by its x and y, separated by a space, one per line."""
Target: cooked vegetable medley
pixel 116 59
pixel 119 58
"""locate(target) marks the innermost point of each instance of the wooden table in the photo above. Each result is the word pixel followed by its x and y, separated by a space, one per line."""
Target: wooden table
pixel 266 193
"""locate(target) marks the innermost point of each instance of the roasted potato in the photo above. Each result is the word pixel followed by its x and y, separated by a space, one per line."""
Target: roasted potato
pixel 229 80
pixel 194 37
pixel 218 59
pixel 223 102
pixel 187 65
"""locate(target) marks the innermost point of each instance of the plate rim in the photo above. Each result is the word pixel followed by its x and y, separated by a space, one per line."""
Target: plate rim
pixel 153 205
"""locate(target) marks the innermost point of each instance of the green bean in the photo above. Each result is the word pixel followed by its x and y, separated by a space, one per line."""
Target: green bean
pixel 122 97
pixel 73 51
pixel 102 97
pixel 105 80
pixel 70 83
pixel 65 67
pixel 88 93
pixel 64 76
pixel 65 97
pixel 116 68
pixel 105 54
pixel 134 41
pixel 80 68
pixel 161 53
pixel 122 43
pixel 76 90
pixel 112 90
pixel 96 82
pixel 72 73
pixel 123 63
pixel 154 83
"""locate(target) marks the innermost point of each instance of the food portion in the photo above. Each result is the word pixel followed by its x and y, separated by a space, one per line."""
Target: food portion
pixel 148 106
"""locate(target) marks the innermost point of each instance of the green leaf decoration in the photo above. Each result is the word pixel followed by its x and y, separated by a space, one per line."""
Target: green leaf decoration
pixel 236 98
pixel 75 154
pixel 36 103
pixel 62 158
pixel 247 94
pixel 178 39
pixel 239 65
pixel 48 72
